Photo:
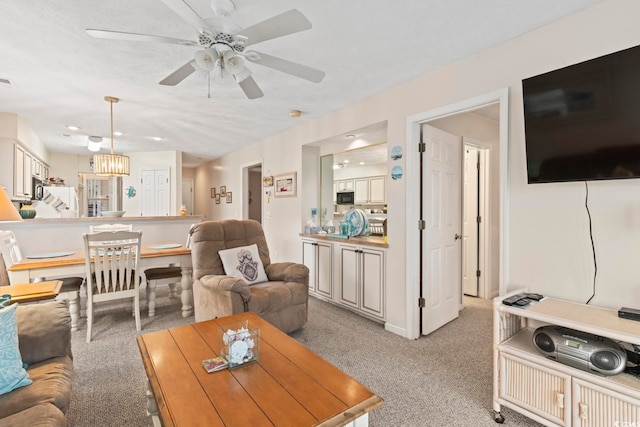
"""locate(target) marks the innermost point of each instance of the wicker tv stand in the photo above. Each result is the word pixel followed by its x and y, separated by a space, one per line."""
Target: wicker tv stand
pixel 550 392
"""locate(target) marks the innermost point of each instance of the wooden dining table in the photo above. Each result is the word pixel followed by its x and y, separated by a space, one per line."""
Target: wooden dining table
pixel 72 263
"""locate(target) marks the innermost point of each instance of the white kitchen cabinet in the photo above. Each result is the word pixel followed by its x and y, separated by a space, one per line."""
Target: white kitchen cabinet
pixel 361 190
pixel 28 166
pixel 19 172
pixel 370 190
pixel 318 257
pixel 362 279
pixel 344 185
pixel 16 174
pixel 553 393
pixel 377 189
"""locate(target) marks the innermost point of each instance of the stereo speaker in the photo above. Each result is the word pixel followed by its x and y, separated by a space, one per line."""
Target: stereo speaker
pixel 581 350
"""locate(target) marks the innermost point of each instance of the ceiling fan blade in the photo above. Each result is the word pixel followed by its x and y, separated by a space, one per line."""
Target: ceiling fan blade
pixel 185 12
pixel 289 22
pixel 180 74
pixel 118 35
pixel 251 88
pixel 293 68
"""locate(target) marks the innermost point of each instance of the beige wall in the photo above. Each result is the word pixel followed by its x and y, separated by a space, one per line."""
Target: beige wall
pixel 549 249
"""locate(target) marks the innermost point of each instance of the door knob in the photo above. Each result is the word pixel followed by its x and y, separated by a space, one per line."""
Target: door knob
pixel 458 236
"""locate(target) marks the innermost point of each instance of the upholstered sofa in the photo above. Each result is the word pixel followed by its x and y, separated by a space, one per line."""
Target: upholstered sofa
pixel 282 300
pixel 44 333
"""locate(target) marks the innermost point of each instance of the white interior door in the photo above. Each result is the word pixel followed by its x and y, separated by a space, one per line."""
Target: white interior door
pixel 441 248
pixel 155 199
pixel 470 216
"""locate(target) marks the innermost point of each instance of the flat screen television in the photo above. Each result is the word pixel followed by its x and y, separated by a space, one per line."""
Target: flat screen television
pixel 582 122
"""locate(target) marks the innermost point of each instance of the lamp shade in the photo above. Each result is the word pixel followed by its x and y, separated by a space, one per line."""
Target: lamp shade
pixel 8 211
pixel 111 164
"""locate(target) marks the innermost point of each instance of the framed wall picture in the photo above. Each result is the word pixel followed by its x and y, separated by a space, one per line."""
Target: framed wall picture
pixel 213 192
pixel 223 190
pixel 217 197
pixel 267 181
pixel 285 185
pixel 229 197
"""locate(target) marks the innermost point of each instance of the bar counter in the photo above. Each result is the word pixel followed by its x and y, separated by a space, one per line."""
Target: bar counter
pixel 377 241
pixel 55 234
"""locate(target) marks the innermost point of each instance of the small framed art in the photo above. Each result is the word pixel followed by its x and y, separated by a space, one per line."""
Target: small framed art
pixel 217 197
pixel 229 197
pixel 285 185
pixel 213 192
pixel 223 190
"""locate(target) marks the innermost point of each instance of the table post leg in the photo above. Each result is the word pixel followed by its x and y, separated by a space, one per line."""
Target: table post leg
pixel 186 295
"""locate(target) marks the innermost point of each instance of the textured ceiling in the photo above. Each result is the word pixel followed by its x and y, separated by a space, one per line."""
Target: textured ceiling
pixel 59 75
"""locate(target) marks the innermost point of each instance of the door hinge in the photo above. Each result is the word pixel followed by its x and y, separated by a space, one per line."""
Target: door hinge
pixel 478 273
pixel 422 303
pixel 422 147
pixel 479 219
pixel 422 224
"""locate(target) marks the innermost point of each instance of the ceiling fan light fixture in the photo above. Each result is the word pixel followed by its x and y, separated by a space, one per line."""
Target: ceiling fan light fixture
pixel 206 59
pixel 111 164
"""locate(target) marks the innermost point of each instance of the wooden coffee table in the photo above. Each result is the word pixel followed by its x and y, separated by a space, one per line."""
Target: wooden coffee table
pixel 289 385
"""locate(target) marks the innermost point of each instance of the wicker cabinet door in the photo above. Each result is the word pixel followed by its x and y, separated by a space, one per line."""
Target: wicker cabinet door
pixel 597 406
pixel 535 388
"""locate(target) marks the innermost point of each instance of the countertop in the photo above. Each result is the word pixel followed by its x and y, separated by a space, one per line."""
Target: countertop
pixel 376 241
pixel 108 219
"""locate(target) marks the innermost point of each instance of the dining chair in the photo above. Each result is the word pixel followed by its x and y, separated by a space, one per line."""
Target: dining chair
pixel 153 276
pixel 70 289
pixel 110 227
pixel 111 262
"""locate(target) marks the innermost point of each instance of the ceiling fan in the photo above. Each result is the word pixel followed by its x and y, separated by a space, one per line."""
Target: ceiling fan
pixel 223 45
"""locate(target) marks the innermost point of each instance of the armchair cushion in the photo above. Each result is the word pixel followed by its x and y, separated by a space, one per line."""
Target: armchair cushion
pixel 243 262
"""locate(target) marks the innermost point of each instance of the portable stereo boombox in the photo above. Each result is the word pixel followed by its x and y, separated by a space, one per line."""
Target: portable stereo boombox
pixel 581 350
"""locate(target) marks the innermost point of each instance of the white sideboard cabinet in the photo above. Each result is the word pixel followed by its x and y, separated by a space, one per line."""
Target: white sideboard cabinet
pixel 350 275
pixel 361 280
pixel 550 392
pixel 318 257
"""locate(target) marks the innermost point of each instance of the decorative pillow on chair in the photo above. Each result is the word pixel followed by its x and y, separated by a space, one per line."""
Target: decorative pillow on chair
pixel 244 263
pixel 12 372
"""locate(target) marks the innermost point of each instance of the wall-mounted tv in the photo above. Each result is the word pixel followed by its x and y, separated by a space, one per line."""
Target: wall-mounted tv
pixel 582 122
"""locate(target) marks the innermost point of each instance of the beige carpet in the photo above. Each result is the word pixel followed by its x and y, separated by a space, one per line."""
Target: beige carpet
pixel 444 379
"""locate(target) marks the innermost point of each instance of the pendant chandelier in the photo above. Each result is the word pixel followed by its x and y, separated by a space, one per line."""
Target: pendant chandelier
pixel 111 164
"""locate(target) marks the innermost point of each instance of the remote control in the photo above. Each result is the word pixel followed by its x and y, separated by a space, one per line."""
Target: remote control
pixel 535 297
pixel 522 302
pixel 513 299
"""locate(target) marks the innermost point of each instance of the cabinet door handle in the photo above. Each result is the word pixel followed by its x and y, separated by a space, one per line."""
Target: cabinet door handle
pixel 582 410
pixel 560 399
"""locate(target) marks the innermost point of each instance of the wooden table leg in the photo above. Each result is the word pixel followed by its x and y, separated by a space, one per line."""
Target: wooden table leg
pixel 186 295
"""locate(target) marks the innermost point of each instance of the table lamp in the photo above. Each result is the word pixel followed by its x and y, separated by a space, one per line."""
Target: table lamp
pixel 8 211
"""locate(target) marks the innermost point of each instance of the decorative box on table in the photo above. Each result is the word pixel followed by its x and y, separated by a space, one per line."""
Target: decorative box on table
pixel 239 343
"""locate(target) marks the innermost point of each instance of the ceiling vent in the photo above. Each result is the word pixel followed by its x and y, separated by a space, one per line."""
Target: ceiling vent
pixel 6 83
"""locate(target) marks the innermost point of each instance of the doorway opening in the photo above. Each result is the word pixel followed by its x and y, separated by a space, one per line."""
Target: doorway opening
pixel 434 273
pixel 252 192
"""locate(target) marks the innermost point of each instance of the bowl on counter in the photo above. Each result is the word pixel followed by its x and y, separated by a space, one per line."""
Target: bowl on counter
pixel 113 214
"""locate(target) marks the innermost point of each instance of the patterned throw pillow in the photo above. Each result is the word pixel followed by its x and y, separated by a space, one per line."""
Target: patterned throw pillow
pixel 244 263
pixel 12 372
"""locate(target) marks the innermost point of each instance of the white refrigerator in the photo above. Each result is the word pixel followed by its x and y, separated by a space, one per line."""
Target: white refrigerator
pixel 57 202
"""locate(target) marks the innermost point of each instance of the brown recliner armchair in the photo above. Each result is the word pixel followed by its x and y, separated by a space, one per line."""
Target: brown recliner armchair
pixel 282 300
